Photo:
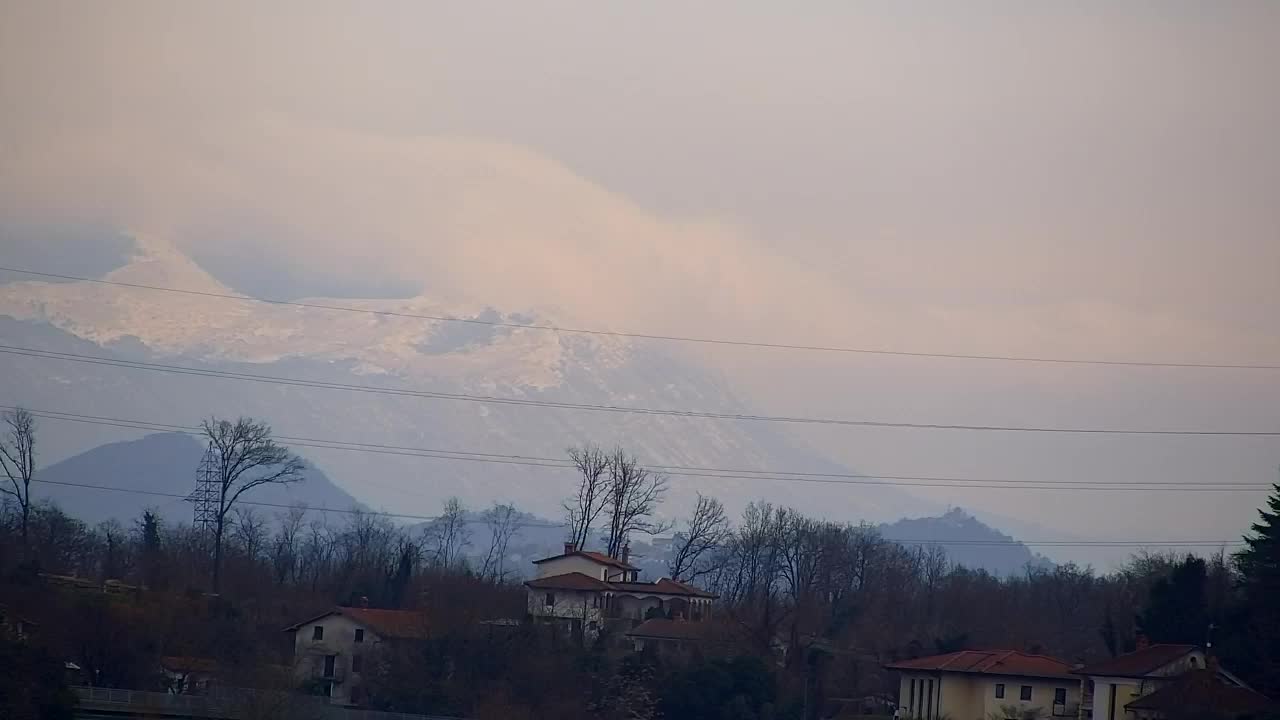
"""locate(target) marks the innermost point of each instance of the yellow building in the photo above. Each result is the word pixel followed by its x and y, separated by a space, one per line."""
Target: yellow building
pixel 977 685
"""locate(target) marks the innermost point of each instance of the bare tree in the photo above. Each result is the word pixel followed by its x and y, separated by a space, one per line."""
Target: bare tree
pixel 284 547
pixel 632 497
pixel 584 509
pixel 448 536
pixel 317 550
pixel 114 563
pixel 18 456
pixel 244 457
pixel 501 521
pixel 250 531
pixel 696 546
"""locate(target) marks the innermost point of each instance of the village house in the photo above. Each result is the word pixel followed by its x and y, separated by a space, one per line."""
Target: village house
pixel 332 651
pixel 677 637
pixel 1119 688
pixel 582 589
pixel 975 685
pixel 188 675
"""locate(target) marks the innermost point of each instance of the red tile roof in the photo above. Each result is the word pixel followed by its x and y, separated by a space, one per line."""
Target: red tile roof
pixel 1201 691
pixel 404 624
pixel 1140 663
pixel 675 587
pixel 661 587
pixel 568 581
pixel 579 581
pixel 392 624
pixel 591 555
pixel 990 662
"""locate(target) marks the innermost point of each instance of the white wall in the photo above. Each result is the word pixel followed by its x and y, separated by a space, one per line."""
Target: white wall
pixel 339 641
pixel 1130 689
pixel 569 604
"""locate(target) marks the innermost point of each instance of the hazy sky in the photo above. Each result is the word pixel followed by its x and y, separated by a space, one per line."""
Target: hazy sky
pixel 1086 179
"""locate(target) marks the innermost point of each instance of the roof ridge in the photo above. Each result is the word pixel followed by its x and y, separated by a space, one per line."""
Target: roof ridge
pixel 954 656
pixel 998 658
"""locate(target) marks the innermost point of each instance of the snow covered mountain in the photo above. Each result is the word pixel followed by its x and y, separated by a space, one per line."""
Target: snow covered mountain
pixel 395 352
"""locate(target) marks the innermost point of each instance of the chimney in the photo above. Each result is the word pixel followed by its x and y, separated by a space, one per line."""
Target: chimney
pixel 626 553
pixel 364 601
pixel 568 548
pixel 1142 642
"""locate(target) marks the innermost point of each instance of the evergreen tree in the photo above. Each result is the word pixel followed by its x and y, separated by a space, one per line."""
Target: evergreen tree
pixel 1259 565
pixel 1259 562
pixel 1177 609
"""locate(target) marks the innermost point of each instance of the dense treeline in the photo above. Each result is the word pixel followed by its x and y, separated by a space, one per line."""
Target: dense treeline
pixel 809 608
pixel 817 607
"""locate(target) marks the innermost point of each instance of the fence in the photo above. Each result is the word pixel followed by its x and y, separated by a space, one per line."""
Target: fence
pixel 228 704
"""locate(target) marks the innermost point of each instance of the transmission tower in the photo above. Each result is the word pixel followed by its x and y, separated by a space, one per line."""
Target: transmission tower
pixel 204 498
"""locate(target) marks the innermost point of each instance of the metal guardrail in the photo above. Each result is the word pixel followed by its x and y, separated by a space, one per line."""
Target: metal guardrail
pixel 226 704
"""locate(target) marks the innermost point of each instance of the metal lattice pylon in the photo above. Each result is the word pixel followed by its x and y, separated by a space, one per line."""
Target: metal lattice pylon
pixel 204 498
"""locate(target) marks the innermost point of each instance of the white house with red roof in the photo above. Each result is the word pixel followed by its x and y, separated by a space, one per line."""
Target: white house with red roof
pixel 583 589
pixel 977 684
pixel 333 651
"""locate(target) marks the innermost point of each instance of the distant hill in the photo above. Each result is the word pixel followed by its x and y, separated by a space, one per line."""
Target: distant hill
pixel 161 463
pixel 968 542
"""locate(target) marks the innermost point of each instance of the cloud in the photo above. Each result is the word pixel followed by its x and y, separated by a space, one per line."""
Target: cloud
pixel 1084 180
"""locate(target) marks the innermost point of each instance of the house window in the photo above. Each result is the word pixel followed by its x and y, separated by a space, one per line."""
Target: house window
pixel 317 632
pixel 1026 693
pixel 999 691
pixel 357 663
pixel 551 600
pixel 329 662
pixel 911 698
pixel 595 601
pixel 359 635
pixel 1059 696
pixel 929 701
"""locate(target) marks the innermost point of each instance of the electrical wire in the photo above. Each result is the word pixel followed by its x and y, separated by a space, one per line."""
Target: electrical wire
pixel 486 399
pixel 705 472
pixel 944 543
pixel 647 336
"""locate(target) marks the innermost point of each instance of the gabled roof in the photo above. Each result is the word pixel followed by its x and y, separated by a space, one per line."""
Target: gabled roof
pixel 598 557
pixel 580 581
pixel 1140 663
pixel 675 587
pixel 1202 691
pixel 391 624
pixel 568 581
pixel 989 662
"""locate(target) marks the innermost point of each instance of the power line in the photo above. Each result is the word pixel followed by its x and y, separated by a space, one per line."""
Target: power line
pixel 348 511
pixel 995 543
pixel 648 336
pixel 494 400
pixel 687 471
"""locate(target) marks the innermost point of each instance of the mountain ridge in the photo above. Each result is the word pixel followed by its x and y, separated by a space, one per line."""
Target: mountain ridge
pixel 967 541
pixel 147 471
pixel 398 352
